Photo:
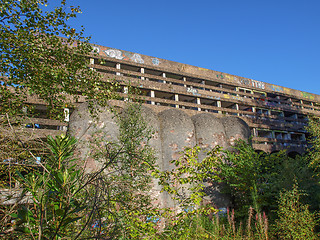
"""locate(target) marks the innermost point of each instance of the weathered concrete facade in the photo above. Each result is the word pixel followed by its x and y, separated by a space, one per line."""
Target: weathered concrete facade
pixel 173 131
pixel 276 115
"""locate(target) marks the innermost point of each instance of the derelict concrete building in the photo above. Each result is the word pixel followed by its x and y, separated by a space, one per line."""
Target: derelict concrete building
pixel 276 115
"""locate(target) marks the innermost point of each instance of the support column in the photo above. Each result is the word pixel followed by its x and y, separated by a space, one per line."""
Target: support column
pixel 152 95
pixel 219 105
pixel 118 66
pixel 176 98
pixel 199 102
pixel 255 133
pixel 125 91
pixel 185 79
pixel 301 103
pixel 164 75
pixel 237 89
pixel 142 71
pixel 237 108
pixel 91 62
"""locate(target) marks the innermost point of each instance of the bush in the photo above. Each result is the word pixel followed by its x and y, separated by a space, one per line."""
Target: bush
pixel 295 221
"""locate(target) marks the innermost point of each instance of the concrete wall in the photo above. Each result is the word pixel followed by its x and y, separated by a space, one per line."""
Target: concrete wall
pixel 173 130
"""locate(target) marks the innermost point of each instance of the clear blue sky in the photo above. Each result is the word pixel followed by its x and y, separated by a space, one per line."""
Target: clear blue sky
pixel 275 41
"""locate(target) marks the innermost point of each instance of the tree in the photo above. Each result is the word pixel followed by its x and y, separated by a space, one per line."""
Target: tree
pixel 295 221
pixel 42 56
pixel 112 202
pixel 256 178
pixel 314 131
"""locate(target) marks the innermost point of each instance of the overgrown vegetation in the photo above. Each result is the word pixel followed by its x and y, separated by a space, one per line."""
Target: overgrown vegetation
pixel 272 196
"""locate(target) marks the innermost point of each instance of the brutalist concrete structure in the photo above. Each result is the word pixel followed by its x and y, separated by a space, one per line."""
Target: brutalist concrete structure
pixel 276 115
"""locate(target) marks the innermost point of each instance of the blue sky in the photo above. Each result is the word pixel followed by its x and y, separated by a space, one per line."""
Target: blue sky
pixel 275 41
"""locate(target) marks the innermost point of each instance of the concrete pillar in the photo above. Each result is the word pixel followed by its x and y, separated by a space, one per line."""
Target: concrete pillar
pixel 125 90
pixel 219 105
pixel 176 98
pixel 164 75
pixel 66 113
pixel 91 62
pixel 185 79
pixel 152 95
pixel 142 71
pixel 301 103
pixel 199 102
pixel 237 89
pixel 237 108
pixel 118 66
pixel 255 133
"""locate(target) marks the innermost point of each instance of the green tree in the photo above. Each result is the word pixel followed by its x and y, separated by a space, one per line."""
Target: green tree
pixel 43 57
pixel 66 202
pixel 295 221
pixel 256 178
pixel 314 131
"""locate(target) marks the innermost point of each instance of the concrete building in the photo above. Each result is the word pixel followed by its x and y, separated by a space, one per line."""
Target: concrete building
pixel 276 115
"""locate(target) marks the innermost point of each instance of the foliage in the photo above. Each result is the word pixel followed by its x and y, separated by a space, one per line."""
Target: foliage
pixel 256 178
pixel 219 226
pixel 241 171
pixel 55 205
pixel 314 131
pixel 127 181
pixel 185 182
pixel 37 62
pixel 113 201
pixel 295 221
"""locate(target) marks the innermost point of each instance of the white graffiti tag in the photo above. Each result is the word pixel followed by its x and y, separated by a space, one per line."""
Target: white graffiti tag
pixel 137 58
pixel 257 84
pixel 95 49
pixel 117 54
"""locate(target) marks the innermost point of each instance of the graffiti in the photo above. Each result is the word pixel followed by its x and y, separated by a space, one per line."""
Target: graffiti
pixel 137 58
pixel 258 84
pixel 113 53
pixel 276 88
pixel 250 82
pixel 237 98
pixel 220 76
pixel 95 49
pixel 230 78
pixel 244 81
pixel 193 91
pixel 307 95
pixel 202 69
pixel 122 55
pixel 155 61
